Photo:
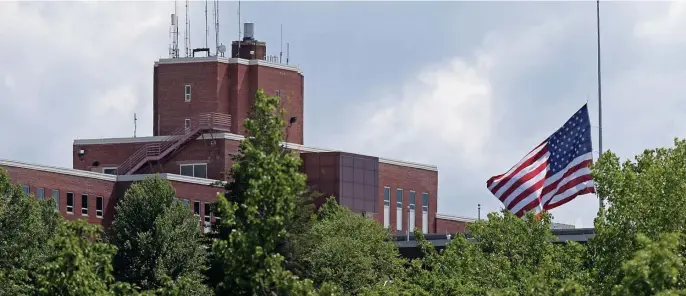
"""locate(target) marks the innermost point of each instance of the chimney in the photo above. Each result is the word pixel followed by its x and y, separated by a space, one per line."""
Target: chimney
pixel 249 48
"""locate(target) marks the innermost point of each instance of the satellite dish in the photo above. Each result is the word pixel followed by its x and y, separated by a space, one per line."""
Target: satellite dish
pixel 222 49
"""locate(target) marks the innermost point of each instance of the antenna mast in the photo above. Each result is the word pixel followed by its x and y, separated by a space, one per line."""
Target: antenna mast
pixel 207 28
pixel 281 42
pixel 174 34
pixel 216 27
pixel 239 29
pixel 187 33
pixel 134 124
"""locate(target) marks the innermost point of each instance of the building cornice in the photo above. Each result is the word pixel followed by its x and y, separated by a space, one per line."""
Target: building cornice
pixel 226 60
pixel 235 137
pixel 454 218
pixel 58 170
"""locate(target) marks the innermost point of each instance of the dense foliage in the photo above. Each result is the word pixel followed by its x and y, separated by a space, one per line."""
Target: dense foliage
pixel 272 241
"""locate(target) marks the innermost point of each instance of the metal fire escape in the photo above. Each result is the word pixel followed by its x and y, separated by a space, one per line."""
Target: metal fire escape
pixel 154 152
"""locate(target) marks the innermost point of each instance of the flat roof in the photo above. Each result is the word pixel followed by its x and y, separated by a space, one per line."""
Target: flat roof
pixel 102 176
pixel 230 136
pixel 225 60
pixel 454 218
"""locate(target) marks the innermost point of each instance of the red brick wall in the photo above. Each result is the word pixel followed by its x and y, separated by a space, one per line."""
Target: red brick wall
pixel 408 178
pixel 109 155
pixel 223 88
pixel 450 226
pixel 66 183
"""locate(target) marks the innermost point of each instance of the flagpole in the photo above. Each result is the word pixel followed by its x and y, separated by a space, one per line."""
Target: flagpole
pixel 600 95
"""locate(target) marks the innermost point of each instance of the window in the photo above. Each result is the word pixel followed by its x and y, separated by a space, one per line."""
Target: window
pixel 387 196
pixel 40 193
pixel 84 205
pixel 208 217
pixel 278 93
pixel 196 208
pixel 110 171
pixel 187 123
pixel 98 206
pixel 412 199
pixel 425 202
pixel 399 198
pixel 186 203
pixel 56 198
pixel 70 203
pixel 194 170
pixel 26 189
pixel 187 93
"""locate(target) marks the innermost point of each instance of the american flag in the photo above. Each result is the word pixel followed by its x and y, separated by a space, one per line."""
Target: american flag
pixel 553 173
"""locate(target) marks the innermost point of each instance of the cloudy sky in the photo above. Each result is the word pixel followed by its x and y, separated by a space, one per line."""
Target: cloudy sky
pixel 468 86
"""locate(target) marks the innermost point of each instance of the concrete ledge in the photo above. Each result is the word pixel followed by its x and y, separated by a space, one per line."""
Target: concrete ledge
pixel 58 170
pixel 226 60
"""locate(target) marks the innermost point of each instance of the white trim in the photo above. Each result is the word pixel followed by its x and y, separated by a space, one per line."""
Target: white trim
pixel 226 60
pixel 187 93
pixel 82 208
pixel 102 202
pixel 167 176
pixel 66 203
pixel 229 136
pixel 57 170
pixel 108 168
pixel 454 218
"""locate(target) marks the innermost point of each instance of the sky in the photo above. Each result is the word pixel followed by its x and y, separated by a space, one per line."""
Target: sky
pixel 470 87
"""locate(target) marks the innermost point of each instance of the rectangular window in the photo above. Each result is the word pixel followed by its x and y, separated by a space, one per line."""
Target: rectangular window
pixel 40 193
pixel 110 171
pixel 186 203
pixel 208 217
pixel 187 123
pixel 56 199
pixel 194 170
pixel 187 93
pixel 278 93
pixel 425 202
pixel 98 206
pixel 70 203
pixel 387 196
pixel 399 198
pixel 26 189
pixel 84 204
pixel 412 199
pixel 196 208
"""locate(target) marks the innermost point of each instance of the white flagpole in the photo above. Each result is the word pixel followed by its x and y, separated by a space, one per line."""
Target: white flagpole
pixel 600 96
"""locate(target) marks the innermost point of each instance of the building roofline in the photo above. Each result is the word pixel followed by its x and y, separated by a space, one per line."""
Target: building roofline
pixel 235 137
pixel 226 60
pixel 58 170
pixel 454 218
pixel 105 177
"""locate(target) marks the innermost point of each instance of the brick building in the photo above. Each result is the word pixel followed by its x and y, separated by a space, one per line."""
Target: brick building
pixel 199 105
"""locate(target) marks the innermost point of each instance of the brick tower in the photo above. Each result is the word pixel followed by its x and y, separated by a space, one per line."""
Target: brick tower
pixel 184 88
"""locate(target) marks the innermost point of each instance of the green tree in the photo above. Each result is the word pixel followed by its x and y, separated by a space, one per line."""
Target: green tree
pixel 348 250
pixel 159 240
pixel 26 226
pixel 265 184
pixel 646 196
pixel 504 255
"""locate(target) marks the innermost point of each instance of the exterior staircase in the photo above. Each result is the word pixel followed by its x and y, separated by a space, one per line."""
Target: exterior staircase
pixel 154 152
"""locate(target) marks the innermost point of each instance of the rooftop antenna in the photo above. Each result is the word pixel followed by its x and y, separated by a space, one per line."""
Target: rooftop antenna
pixel 134 124
pixel 187 33
pixel 174 34
pixel 216 26
pixel 478 212
pixel 207 28
pixel 281 51
pixel 239 29
pixel 288 52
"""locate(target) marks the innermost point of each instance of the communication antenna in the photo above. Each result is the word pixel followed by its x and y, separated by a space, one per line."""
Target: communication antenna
pixel 239 29
pixel 187 33
pixel 134 124
pixel 174 34
pixel 216 27
pixel 281 43
pixel 288 52
pixel 207 28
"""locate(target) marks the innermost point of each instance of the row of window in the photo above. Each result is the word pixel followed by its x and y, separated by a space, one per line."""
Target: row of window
pixel 198 170
pixel 399 198
pixel 55 195
pixel 207 213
